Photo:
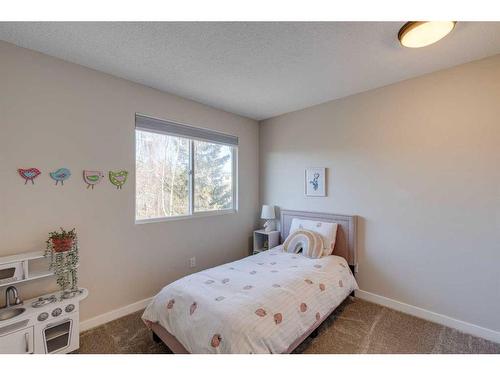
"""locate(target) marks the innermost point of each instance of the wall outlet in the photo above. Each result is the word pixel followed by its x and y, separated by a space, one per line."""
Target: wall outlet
pixel 192 262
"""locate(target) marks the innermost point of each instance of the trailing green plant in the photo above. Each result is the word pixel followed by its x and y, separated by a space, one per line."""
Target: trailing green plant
pixel 64 263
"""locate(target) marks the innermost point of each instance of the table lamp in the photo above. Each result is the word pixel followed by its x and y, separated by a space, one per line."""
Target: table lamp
pixel 268 215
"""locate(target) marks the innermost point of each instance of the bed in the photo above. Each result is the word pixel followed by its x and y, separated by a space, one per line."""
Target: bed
pixel 265 303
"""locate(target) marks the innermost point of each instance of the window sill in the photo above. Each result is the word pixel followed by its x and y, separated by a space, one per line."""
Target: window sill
pixel 187 217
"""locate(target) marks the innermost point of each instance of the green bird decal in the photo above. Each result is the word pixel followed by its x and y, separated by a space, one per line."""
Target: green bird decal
pixel 118 178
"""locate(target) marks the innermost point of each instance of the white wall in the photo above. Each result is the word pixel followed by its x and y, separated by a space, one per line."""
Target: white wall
pixel 57 114
pixel 419 162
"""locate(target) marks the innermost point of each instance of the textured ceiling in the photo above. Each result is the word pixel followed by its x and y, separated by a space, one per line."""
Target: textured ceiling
pixel 258 70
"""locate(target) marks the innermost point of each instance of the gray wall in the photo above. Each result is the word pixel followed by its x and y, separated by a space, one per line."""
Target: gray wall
pixel 419 162
pixel 57 114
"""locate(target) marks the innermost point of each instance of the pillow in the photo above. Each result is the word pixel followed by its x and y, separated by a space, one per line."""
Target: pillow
pixel 328 232
pixel 308 241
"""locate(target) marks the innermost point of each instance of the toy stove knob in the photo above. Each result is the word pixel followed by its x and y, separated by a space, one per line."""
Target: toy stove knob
pixel 43 316
pixel 57 312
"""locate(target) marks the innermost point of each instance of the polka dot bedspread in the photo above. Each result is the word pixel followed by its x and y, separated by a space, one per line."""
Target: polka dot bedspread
pixel 260 304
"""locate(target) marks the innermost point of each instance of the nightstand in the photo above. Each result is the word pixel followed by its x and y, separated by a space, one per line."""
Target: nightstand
pixel 263 240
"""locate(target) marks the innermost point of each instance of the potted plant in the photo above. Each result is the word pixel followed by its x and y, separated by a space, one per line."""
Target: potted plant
pixel 62 247
pixel 61 241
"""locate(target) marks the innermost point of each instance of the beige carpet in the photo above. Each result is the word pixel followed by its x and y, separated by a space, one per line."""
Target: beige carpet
pixel 356 326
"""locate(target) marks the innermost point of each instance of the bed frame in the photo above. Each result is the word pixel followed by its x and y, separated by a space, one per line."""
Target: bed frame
pixel 345 246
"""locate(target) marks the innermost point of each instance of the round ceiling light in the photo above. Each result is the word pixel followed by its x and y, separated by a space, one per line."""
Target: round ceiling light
pixel 418 34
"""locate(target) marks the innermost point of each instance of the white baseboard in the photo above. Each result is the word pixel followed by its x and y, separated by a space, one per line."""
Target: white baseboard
pixel 459 325
pixel 113 314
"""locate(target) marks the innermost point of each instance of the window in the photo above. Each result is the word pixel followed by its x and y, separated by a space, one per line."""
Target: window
pixel 213 176
pixel 183 171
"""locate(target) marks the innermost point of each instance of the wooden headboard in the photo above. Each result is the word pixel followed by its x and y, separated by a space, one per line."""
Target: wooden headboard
pixel 345 244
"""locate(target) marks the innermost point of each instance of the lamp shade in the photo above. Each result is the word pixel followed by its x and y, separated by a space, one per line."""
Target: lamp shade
pixel 267 212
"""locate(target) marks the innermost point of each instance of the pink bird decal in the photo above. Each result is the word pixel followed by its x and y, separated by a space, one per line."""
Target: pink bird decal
pixel 29 174
pixel 92 178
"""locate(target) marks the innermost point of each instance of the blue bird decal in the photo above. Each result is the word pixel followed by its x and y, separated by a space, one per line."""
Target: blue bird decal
pixel 62 174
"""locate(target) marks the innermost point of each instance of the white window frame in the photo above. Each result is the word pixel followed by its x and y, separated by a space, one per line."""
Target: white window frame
pixel 192 214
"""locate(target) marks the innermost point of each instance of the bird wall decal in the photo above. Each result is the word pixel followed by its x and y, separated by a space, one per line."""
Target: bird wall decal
pixel 118 178
pixel 29 174
pixel 62 174
pixel 92 178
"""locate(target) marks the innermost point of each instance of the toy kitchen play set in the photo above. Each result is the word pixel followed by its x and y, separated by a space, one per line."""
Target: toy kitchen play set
pixel 43 325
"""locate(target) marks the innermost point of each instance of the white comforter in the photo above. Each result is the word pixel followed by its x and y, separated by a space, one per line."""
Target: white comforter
pixel 259 304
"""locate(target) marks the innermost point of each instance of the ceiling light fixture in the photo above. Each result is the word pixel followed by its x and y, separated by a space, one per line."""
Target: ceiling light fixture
pixel 416 34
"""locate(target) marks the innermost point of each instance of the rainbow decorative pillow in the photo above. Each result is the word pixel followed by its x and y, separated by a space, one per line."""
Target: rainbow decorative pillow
pixel 327 231
pixel 309 242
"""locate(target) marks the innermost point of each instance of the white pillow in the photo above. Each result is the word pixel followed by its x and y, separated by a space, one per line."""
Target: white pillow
pixel 328 232
pixel 308 241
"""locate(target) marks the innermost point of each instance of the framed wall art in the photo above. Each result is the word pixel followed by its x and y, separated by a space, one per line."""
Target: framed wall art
pixel 315 182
